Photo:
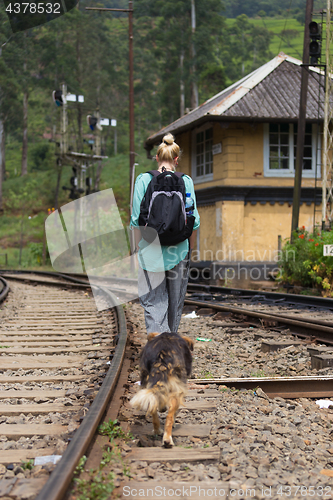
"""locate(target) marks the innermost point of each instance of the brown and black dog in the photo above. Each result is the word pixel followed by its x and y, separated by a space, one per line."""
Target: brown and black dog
pixel 165 365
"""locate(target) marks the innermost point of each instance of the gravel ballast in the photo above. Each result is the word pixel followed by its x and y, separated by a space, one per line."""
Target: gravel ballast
pixel 274 446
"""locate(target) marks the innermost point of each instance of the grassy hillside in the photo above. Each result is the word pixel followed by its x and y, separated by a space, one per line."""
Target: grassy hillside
pixel 287 34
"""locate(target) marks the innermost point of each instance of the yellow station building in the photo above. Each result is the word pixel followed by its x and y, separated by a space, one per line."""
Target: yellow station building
pixel 240 149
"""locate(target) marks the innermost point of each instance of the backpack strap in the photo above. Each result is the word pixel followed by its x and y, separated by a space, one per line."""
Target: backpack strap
pixel 179 174
pixel 155 173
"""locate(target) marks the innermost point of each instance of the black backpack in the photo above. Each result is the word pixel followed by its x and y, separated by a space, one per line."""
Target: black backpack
pixel 163 209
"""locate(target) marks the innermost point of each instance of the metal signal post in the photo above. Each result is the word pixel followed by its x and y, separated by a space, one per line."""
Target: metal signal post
pixel 301 122
pixel 327 183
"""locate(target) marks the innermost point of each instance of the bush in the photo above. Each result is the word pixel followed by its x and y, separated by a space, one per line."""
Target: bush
pixel 303 263
pixel 36 254
pixel 42 156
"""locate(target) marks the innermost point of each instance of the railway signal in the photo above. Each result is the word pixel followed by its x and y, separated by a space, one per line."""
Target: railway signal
pixel 74 190
pixel 315 43
pixel 88 184
pixel 94 123
pixel 58 97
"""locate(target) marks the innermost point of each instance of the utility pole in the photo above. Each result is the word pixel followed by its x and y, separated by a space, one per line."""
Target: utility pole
pixel 131 92
pixel 182 86
pixel 1 150
pixel 131 85
pixel 301 120
pixel 194 86
pixel 24 164
pixel 1 164
pixel 327 187
pixel 98 138
pixel 98 149
pixel 64 122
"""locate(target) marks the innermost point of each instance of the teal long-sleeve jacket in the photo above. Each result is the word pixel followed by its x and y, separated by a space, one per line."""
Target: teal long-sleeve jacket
pixel 152 257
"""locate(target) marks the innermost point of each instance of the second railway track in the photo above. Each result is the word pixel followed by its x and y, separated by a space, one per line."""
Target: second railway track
pixel 55 352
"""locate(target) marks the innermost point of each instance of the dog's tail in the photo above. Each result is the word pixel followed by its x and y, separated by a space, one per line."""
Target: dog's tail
pixel 157 397
pixel 146 400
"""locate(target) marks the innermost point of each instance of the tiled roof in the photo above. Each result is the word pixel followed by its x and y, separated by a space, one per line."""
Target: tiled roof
pixel 269 93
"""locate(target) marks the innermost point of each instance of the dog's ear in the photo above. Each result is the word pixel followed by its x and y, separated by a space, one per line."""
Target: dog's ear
pixel 151 336
pixel 189 342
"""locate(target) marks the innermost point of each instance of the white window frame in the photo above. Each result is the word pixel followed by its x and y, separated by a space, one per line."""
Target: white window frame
pixel 290 172
pixel 205 177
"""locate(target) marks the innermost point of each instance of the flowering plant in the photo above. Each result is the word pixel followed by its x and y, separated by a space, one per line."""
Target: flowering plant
pixel 303 264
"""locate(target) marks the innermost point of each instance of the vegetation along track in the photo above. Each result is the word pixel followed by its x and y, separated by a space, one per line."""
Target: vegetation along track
pixel 55 360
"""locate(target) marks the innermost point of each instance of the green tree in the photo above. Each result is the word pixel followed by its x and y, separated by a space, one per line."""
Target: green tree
pixel 168 38
pixel 247 48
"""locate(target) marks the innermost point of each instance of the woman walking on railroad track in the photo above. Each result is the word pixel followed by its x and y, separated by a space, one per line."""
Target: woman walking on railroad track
pixel 164 270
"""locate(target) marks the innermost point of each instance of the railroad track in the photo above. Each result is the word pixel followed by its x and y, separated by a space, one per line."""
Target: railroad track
pixel 59 364
pixel 203 403
pixel 229 429
pixel 255 296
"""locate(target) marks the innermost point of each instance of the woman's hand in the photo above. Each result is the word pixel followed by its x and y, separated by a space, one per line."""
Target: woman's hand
pixel 192 240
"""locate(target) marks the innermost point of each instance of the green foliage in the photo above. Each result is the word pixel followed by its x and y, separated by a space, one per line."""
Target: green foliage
pixel 303 264
pixel 100 483
pixel 38 61
pixel 24 200
pixel 113 430
pixel 36 252
pixel 286 34
pixel 259 373
pixel 251 8
pixel 99 486
pixel 27 465
pixel 42 156
pixel 247 47
pixel 206 374
pixel 80 466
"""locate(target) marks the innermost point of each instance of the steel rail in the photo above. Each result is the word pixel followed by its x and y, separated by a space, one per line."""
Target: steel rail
pixel 285 387
pixel 4 289
pixel 61 477
pixel 310 300
pixel 305 328
pixel 37 281
pixel 75 277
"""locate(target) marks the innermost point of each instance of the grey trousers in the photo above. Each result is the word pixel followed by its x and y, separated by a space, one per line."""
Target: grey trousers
pixel 164 300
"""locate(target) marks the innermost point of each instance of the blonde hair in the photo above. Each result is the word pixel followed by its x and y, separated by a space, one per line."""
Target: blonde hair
pixel 168 150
